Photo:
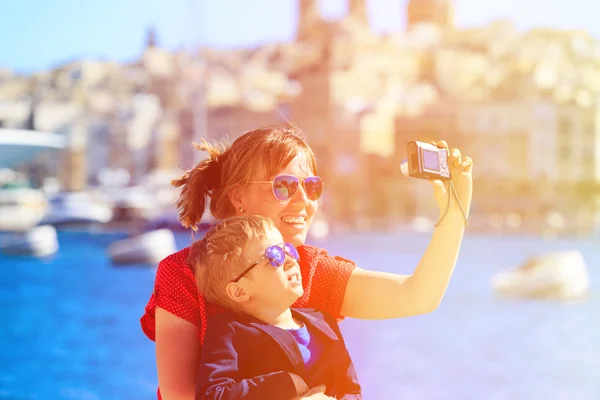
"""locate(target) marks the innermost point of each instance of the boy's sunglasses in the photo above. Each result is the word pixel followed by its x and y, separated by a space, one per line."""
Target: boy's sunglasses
pixel 275 255
pixel 285 186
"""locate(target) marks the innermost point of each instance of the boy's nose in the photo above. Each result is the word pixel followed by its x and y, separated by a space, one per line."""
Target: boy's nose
pixel 288 263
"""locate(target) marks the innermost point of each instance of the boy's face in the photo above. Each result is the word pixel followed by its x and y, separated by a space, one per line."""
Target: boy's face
pixel 267 285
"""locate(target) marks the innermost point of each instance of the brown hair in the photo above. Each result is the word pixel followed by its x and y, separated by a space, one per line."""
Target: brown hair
pixel 229 168
pixel 218 258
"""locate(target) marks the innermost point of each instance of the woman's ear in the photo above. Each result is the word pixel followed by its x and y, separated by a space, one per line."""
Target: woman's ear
pixel 235 197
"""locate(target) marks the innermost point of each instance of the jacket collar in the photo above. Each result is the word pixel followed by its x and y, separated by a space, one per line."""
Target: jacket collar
pixel 315 320
pixel 287 342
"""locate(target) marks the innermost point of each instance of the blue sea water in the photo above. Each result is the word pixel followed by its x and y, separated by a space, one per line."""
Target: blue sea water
pixel 69 327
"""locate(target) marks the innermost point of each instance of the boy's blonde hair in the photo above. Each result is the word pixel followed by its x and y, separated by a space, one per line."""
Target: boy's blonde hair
pixel 217 258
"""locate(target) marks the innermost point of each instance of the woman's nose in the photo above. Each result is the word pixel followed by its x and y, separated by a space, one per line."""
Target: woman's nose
pixel 300 195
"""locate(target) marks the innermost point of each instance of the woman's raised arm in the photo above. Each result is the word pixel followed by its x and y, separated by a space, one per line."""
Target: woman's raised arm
pixel 380 295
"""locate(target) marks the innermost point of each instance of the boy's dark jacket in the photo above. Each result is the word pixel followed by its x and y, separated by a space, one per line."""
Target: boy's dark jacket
pixel 245 358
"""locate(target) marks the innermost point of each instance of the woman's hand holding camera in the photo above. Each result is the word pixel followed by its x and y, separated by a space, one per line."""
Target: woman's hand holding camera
pixel 461 175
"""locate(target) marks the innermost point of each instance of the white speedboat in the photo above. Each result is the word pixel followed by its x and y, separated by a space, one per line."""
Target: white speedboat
pixel 20 146
pixel 21 208
pixel 559 275
pixel 148 248
pixel 40 241
pixel 132 203
pixel 75 209
pixel 169 219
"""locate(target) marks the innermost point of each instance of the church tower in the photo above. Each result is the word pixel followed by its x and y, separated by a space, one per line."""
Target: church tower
pixel 358 10
pixel 309 20
pixel 150 38
pixel 438 12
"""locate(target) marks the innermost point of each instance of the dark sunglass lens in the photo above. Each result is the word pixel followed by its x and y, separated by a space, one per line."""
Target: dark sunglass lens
pixel 284 187
pixel 291 250
pixel 314 187
pixel 275 255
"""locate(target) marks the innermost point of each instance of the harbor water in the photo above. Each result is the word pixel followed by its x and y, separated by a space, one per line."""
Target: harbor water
pixel 69 326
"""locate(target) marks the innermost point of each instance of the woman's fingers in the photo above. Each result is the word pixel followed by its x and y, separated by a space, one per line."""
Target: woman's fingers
pixel 467 164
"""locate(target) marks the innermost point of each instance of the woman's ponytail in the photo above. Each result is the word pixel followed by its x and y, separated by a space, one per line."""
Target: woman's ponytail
pixel 198 184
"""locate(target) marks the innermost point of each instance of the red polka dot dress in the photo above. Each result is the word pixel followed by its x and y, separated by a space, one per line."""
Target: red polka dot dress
pixel 324 279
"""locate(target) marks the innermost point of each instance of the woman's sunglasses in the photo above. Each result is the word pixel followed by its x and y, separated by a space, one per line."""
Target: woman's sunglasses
pixel 285 186
pixel 275 255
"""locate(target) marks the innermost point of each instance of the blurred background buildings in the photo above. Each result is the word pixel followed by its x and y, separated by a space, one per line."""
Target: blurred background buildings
pixel 88 148
pixel 523 105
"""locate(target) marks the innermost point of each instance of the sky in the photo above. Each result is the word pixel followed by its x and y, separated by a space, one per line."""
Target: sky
pixel 41 34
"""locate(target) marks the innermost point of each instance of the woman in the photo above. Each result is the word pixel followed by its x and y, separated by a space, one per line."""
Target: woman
pixel 272 172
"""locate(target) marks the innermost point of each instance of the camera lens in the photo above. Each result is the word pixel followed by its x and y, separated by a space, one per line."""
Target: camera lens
pixel 404 167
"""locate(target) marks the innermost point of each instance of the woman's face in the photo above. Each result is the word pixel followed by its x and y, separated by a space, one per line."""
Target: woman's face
pixel 292 217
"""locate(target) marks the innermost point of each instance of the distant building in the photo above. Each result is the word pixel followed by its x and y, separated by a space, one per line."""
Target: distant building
pixel 310 21
pixel 438 12
pixel 357 9
pixel 533 154
pixel 532 139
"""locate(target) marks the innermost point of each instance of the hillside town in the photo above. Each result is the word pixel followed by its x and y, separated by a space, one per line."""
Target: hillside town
pixel 523 104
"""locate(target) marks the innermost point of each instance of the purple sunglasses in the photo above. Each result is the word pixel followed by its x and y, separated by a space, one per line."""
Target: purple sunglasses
pixel 275 255
pixel 285 186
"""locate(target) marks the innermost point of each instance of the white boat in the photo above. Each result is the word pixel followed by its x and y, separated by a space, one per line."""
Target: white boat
pixel 559 275
pixel 133 203
pixel 19 146
pixel 21 208
pixel 77 208
pixel 169 219
pixel 41 241
pixel 147 248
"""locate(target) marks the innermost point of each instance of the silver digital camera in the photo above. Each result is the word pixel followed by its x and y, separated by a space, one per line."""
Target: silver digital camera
pixel 426 161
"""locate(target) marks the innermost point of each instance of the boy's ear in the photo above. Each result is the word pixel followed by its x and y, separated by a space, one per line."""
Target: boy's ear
pixel 236 292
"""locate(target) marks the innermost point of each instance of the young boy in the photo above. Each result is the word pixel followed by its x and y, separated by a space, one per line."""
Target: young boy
pixel 260 348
